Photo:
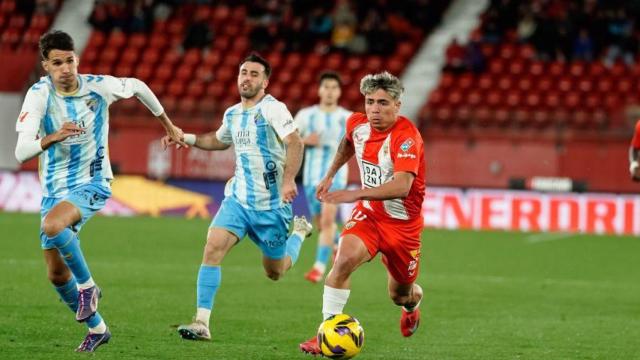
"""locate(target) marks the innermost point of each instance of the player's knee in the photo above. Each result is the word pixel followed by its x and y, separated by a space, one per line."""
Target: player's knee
pixel 214 251
pixel 399 299
pixel 52 227
pixel 274 275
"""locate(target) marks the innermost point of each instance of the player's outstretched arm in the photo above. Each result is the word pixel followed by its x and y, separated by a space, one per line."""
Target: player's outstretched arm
pixel 208 141
pixel 292 164
pixel 29 146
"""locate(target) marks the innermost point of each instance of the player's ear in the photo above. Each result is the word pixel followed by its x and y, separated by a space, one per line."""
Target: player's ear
pixel 45 65
pixel 265 83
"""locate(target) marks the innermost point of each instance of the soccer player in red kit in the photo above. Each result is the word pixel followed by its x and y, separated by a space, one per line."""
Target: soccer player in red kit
pixel 634 153
pixel 387 217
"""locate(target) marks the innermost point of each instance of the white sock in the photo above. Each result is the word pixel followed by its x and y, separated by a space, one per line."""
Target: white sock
pixel 320 266
pixel 99 329
pixel 87 284
pixel 333 301
pixel 203 315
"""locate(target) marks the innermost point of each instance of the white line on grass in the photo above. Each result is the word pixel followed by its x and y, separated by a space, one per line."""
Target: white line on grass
pixel 543 237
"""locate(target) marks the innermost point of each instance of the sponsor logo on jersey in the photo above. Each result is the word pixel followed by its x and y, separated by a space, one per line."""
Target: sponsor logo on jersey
pixel 405 155
pixel 372 176
pixel 406 145
pixel 349 225
pixel 92 104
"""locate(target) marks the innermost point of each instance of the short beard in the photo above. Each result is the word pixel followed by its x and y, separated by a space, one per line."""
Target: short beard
pixel 249 94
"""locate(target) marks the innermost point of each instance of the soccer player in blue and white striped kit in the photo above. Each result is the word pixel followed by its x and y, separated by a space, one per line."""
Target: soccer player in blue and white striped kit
pixel 65 121
pixel 322 127
pixel 258 198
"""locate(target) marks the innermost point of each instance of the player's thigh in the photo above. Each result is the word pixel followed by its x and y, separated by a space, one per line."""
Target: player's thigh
pixel 352 252
pixel 220 241
pixel 64 214
pixel 400 250
pixel 269 230
pixel 75 209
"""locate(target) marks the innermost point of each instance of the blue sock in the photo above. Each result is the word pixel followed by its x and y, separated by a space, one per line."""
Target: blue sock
pixel 323 253
pixel 294 242
pixel 69 247
pixel 69 295
pixel 209 278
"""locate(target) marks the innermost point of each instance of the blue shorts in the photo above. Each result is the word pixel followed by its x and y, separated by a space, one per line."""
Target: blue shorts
pixel 269 229
pixel 88 198
pixel 315 206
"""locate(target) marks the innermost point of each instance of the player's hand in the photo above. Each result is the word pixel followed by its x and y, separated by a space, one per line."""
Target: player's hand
pixel 323 187
pixel 177 136
pixel 167 142
pixel 289 191
pixel 312 140
pixel 68 129
pixel 341 196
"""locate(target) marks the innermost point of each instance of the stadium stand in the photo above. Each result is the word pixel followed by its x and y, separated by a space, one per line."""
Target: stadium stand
pixel 197 84
pixel 541 65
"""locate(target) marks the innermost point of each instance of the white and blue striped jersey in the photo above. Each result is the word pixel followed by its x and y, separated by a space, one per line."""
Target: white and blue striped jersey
pixel 79 159
pixel 257 134
pixel 318 159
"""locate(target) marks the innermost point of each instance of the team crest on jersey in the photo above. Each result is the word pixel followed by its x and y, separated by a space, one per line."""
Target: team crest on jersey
pixel 92 104
pixel 406 145
pixel 349 225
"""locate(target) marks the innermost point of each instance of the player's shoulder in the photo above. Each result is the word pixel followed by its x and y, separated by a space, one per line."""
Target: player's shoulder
pixel 41 87
pixel 406 126
pixel 357 118
pixel 235 108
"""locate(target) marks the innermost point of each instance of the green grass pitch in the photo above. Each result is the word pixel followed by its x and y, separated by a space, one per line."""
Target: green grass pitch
pixel 489 295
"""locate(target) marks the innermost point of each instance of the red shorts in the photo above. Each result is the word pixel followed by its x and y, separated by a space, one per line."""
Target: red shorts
pixel 397 240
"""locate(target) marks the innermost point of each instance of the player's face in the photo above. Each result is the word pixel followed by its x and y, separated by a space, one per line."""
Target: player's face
pixel 329 92
pixel 252 80
pixel 62 66
pixel 382 109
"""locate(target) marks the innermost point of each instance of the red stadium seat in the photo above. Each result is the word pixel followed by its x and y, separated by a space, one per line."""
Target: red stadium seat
pixel 175 89
pixel 501 117
pixel 137 41
pixel 143 72
pixel 130 56
pixel 195 89
pixel 184 73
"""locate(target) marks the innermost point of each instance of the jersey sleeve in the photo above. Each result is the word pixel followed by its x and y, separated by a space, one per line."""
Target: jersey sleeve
pixel 406 151
pixel 279 117
pixel 33 110
pixel 352 121
pixel 224 133
pixel 124 88
pixel 635 141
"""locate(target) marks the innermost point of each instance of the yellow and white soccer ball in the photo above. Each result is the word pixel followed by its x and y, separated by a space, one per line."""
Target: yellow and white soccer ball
pixel 340 337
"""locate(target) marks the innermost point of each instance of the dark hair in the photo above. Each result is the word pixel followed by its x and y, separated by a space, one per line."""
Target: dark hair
pixel 329 75
pixel 254 57
pixel 55 39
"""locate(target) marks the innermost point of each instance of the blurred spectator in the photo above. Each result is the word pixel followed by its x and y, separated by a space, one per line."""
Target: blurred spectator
pixel 583 46
pixel 320 24
pixel 198 35
pixel 455 57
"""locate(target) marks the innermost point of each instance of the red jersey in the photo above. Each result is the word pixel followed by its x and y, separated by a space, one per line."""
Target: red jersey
pixel 635 141
pixel 382 153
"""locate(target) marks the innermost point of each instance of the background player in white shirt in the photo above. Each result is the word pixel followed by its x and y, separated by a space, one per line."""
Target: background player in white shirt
pixel 258 198
pixel 65 121
pixel 322 127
